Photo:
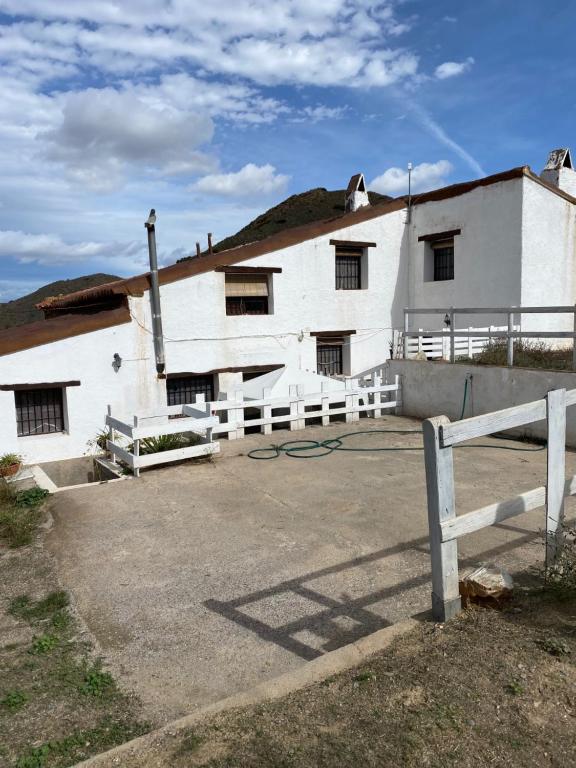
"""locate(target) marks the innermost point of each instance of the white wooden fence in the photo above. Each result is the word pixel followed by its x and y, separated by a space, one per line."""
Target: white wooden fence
pixel 438 346
pixel 297 408
pixel 366 394
pixel 440 436
pixel 510 333
pixel 197 420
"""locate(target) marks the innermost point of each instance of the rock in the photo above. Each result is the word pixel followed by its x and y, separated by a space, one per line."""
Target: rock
pixel 488 584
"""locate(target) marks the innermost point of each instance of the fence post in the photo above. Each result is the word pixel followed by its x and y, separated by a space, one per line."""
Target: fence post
pixel 301 409
pixel 470 345
pixel 398 394
pixel 556 471
pixel 293 394
pixel 452 337
pixel 349 403
pixel 111 437
pixel 510 360
pixel 238 416
pixel 406 327
pixel 266 411
pixel 325 406
pixel 574 342
pixel 136 450
pixel 440 490
pixel 207 408
pixel 377 397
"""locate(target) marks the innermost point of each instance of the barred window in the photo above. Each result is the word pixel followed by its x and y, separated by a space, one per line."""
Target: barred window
pixel 349 268
pixel 39 411
pixel 182 390
pixel 443 260
pixel 329 358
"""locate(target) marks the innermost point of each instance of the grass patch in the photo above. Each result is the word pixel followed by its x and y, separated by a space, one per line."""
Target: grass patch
pixel 527 354
pixel 53 607
pixel 13 700
pixel 20 514
pixel 79 745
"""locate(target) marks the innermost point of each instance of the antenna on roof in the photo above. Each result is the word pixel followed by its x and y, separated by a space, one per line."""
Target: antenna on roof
pixel 409 192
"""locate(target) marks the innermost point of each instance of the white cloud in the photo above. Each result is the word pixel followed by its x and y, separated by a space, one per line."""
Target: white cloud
pixel 249 181
pixel 51 249
pixel 425 176
pixel 453 68
pixel 104 129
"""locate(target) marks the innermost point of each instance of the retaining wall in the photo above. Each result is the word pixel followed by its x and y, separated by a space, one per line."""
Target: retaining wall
pixel 437 388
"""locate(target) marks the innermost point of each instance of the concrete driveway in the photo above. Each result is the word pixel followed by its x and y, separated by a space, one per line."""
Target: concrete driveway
pixel 201 580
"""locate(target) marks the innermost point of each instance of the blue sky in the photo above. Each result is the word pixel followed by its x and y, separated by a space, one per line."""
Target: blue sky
pixel 213 114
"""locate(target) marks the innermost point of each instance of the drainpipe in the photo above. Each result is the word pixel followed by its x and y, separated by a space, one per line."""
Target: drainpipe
pixel 155 295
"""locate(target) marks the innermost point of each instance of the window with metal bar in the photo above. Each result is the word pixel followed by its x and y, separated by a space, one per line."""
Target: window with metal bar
pixel 39 411
pixel 349 268
pixel 329 359
pixel 443 260
pixel 182 390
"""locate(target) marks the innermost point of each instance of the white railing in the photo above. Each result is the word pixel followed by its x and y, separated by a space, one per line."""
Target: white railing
pixel 197 420
pixel 296 409
pixel 510 332
pixel 440 436
pixel 369 396
pixel 435 347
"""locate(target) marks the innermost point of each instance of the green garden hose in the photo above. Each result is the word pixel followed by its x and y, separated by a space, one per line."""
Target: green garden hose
pixel 316 449
pixel 308 449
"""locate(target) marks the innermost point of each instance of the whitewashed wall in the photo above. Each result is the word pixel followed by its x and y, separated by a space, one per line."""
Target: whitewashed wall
pixel 87 358
pixel 487 254
pixel 548 256
pixel 201 337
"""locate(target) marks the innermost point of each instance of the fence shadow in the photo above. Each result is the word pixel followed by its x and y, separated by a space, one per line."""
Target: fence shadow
pixel 334 622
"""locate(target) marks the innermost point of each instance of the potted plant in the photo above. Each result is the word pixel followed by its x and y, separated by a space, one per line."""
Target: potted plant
pixel 10 464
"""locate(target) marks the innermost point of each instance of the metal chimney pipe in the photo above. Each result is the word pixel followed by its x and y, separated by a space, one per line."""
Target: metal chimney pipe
pixel 198 252
pixel 155 295
pixel 209 242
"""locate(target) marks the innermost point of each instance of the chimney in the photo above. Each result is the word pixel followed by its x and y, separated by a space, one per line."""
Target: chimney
pixel 560 172
pixel 356 194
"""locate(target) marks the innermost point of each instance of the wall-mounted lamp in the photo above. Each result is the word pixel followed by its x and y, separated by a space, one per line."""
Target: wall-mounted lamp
pixel 116 362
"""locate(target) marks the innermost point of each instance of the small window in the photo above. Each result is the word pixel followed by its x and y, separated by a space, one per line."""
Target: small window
pixel 39 411
pixel 349 268
pixel 182 390
pixel 329 358
pixel 247 294
pixel 443 252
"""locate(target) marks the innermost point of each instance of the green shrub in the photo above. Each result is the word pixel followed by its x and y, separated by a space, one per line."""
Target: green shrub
pixel 168 442
pixel 14 700
pixel 527 354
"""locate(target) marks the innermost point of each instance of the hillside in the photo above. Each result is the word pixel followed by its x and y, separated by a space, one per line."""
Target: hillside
pixel 314 205
pixel 21 311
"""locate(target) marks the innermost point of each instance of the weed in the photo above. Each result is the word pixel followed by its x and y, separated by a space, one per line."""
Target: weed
pixel 515 688
pixel 560 577
pixel 43 644
pixel 189 743
pixel 96 682
pixel 554 646
pixel 527 354
pixel 168 443
pixel 365 677
pixel 81 744
pixel 14 700
pixel 31 497
pixel 51 606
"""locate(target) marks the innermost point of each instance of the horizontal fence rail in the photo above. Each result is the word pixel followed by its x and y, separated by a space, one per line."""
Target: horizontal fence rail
pixel 446 527
pixel 366 394
pixel 450 342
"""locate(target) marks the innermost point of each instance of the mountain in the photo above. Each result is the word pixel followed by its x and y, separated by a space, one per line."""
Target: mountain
pixel 314 205
pixel 21 311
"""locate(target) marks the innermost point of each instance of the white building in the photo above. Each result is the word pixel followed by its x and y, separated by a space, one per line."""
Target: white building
pixel 322 297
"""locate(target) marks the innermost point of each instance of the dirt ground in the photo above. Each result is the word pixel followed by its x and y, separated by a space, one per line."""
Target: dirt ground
pixel 489 689
pixel 58 705
pixel 199 581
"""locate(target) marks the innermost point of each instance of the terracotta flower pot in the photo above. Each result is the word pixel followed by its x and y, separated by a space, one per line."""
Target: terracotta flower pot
pixel 10 470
